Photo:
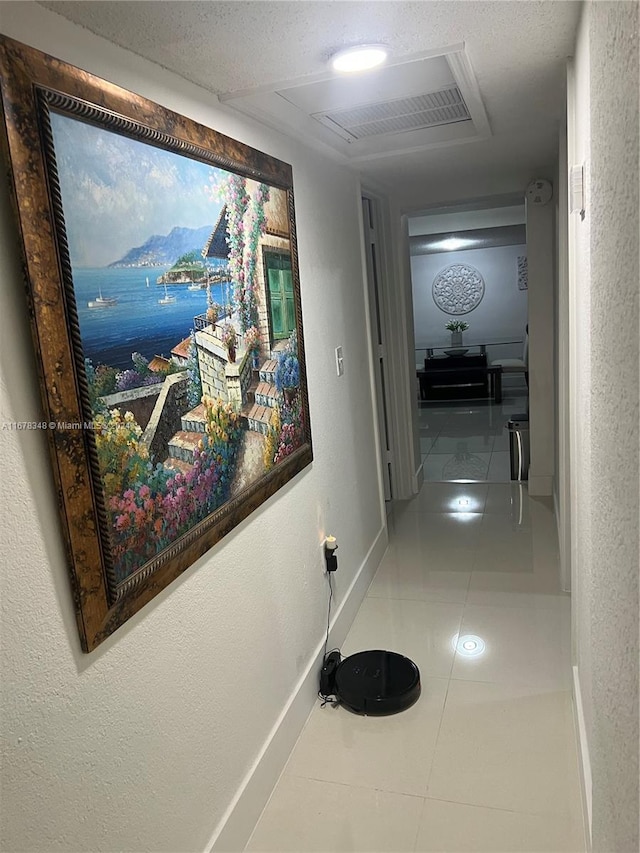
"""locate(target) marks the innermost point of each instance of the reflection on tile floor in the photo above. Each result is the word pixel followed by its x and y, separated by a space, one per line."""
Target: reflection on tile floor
pixel 467 439
pixel 486 760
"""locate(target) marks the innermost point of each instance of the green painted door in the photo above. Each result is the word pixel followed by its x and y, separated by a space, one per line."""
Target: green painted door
pixel 281 304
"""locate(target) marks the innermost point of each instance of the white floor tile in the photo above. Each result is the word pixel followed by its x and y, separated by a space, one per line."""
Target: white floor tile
pixel 507 547
pixel 510 499
pixel 431 423
pixel 501 441
pixel 499 467
pixel 389 753
pixel 457 828
pixel 506 529
pixel 450 497
pixel 413 579
pixel 522 646
pixel 434 529
pixel 480 442
pixel 419 630
pixel 426 444
pixel 306 815
pixel 447 468
pixel 508 747
pixel 432 557
pixel 490 743
pixel 540 589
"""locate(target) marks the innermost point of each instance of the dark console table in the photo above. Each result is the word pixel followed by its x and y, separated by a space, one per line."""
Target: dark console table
pixel 468 376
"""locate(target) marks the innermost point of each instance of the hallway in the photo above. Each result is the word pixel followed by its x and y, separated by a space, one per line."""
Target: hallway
pixel 196 722
pixel 486 759
pixel 468 439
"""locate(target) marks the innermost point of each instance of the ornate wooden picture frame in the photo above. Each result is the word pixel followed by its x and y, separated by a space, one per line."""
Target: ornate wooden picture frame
pixel 171 354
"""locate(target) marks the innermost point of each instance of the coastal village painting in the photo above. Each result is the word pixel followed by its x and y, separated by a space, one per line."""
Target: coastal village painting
pixel 184 290
pixel 161 270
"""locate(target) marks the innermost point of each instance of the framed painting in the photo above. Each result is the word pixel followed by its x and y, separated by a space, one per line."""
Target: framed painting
pixel 162 273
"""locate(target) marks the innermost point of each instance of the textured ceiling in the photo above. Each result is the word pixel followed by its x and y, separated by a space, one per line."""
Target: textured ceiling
pixel 517 49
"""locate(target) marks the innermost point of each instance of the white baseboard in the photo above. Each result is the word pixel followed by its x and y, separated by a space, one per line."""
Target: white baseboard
pixel 584 760
pixel 540 485
pixel 238 823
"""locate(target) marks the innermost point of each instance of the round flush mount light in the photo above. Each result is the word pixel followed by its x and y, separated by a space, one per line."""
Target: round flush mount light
pixel 359 58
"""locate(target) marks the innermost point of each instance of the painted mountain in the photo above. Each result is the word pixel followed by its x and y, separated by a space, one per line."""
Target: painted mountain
pixel 160 250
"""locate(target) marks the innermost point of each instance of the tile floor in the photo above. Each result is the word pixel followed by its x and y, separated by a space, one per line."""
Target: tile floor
pixel 486 759
pixel 467 439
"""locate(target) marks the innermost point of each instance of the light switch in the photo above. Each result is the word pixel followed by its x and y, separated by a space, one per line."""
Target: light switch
pixel 339 361
pixel 576 190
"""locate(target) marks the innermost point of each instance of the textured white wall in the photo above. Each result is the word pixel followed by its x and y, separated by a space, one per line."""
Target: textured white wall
pixel 604 274
pixel 579 153
pixel 502 312
pixel 143 744
pixel 614 86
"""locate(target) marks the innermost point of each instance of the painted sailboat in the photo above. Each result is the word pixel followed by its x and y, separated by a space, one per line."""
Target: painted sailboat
pixel 194 284
pixel 102 301
pixel 166 299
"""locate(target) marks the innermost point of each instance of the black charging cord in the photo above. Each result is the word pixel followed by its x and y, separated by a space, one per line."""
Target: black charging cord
pixel 326 640
pixel 327 698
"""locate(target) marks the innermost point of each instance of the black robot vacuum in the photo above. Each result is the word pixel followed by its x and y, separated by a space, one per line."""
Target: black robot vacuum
pixel 372 682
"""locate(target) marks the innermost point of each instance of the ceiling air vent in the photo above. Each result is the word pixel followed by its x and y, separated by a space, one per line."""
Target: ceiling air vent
pixel 398 116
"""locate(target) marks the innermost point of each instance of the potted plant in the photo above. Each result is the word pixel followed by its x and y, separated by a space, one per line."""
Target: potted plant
pixel 230 339
pixel 456 327
pixel 213 312
pixel 252 343
pixel 287 376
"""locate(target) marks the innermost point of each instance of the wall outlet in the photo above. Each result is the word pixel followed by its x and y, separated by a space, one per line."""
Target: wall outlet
pixel 339 361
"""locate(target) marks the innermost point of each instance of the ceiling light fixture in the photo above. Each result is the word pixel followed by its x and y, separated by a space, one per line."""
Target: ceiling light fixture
pixel 359 58
pixel 451 244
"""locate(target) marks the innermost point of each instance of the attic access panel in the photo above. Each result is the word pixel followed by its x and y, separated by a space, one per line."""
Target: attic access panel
pixel 399 115
pixel 160 439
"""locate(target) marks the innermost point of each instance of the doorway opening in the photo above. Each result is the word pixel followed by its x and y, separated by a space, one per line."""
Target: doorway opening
pixel 470 306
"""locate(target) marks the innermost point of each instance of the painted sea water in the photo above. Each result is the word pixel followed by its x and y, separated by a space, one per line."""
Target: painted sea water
pixel 137 322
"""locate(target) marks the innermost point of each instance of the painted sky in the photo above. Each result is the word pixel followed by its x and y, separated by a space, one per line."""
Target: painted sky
pixel 117 192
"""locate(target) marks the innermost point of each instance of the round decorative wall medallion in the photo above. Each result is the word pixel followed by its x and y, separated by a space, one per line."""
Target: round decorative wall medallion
pixel 458 289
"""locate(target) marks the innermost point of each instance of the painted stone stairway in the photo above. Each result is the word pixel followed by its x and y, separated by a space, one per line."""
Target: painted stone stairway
pixel 261 400
pixel 184 442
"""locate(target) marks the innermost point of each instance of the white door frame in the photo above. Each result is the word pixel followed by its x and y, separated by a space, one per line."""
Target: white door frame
pixel 394 279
